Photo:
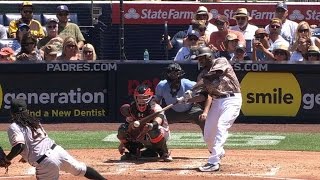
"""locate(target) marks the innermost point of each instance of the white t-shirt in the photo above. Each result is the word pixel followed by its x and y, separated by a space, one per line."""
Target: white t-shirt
pixel 211 28
pixel 248 33
pixel 296 56
pixel 36 144
pixel 275 43
pixel 288 30
pixel 183 54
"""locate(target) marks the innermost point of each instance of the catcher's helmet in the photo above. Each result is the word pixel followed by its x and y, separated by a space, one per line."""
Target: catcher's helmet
pixel 173 72
pixel 204 51
pixel 142 96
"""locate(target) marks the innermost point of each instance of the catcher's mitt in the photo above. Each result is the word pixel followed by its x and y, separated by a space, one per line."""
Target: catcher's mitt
pixel 4 162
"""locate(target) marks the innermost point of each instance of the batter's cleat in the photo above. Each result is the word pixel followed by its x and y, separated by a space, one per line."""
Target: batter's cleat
pixel 210 167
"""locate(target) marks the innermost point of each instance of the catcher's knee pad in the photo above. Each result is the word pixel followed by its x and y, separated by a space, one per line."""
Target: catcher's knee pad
pixel 156 135
pixel 122 132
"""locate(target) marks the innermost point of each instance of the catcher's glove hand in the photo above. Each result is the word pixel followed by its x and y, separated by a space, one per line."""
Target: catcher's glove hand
pixel 4 162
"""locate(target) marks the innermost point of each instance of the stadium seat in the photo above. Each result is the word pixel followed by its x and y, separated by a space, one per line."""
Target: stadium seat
pixel 14 16
pixel 73 17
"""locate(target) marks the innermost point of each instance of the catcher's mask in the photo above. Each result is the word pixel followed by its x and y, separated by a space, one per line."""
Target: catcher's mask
pixel 142 96
pixel 173 72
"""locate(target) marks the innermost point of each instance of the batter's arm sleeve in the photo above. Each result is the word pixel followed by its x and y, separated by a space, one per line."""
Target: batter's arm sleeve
pixel 15 151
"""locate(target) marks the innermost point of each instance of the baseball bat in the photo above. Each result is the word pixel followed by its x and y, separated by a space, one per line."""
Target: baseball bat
pixel 166 39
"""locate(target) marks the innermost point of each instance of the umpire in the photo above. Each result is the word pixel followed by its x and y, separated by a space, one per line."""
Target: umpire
pixel 175 86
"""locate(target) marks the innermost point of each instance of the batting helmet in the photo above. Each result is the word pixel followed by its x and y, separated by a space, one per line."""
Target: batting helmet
pixel 204 51
pixel 173 72
pixel 142 96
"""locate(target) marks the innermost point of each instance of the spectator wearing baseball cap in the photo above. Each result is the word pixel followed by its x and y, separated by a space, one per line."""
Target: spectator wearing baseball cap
pixel 185 53
pixel 7 55
pixel 217 38
pixel 202 14
pixel 66 28
pixel 26 11
pixel 313 53
pixel 50 52
pixel 23 29
pixel 242 18
pixel 261 45
pixel 288 27
pixel 52 32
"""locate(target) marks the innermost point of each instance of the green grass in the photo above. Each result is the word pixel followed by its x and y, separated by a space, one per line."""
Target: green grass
pixel 93 139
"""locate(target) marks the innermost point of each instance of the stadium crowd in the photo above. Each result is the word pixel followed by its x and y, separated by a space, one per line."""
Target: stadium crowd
pixel 60 39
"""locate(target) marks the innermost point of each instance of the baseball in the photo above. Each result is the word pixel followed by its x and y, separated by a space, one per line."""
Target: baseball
pixel 136 124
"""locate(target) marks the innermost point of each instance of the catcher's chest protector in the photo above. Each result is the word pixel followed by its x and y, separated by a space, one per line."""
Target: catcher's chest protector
pixel 136 114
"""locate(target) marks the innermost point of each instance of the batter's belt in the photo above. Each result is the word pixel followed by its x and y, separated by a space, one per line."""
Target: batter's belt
pixel 44 156
pixel 225 96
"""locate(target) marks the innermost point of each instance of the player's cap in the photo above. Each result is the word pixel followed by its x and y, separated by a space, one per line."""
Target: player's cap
pixel 6 51
pixel 282 5
pixel 62 8
pixel 52 20
pixel 18 105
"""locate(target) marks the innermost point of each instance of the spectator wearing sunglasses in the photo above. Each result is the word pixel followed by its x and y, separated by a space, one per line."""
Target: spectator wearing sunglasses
pixel 274 33
pixel 217 38
pixel 26 11
pixel 88 53
pixel 281 52
pixel 52 32
pixel 261 45
pixel 68 29
pixel 300 54
pixel 288 27
pixel 70 50
pixel 313 53
pixel 202 14
pixel 29 51
pixel 304 31
pixel 242 19
pixel 185 53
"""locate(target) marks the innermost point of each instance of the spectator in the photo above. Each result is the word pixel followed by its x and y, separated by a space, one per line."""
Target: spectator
pixel 313 53
pixel 29 51
pixel 23 29
pixel 281 52
pixel 203 38
pixel 242 19
pixel 274 33
pixel 202 14
pixel 26 11
pixel 88 53
pixel 70 50
pixel 217 38
pixel 240 53
pixel 230 43
pixel 7 55
pixel 66 29
pixel 173 87
pixel 50 52
pixel 185 53
pixel 304 30
pixel 261 45
pixel 52 32
pixel 3 32
pixel 301 51
pixel 288 27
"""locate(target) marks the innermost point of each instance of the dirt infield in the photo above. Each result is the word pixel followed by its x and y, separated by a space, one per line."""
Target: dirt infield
pixel 237 165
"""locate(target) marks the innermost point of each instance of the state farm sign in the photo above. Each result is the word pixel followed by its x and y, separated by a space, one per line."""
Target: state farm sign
pixel 182 13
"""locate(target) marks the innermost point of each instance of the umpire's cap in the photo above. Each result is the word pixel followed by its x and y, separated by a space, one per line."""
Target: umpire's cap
pixel 18 105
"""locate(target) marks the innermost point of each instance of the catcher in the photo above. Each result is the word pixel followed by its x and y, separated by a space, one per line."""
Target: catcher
pixel 152 135
pixel 28 138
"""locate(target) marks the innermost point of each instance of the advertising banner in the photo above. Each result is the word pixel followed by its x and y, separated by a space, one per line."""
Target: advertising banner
pixel 182 13
pixel 57 96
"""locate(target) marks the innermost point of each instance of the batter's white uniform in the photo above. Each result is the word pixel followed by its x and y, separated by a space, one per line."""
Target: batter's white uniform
pixel 225 107
pixel 39 144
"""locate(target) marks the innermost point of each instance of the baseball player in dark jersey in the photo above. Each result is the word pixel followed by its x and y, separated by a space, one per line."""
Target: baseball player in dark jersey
pixel 221 83
pixel 152 135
